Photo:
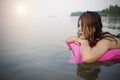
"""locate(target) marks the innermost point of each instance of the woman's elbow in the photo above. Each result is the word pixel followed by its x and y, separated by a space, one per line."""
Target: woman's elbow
pixel 88 60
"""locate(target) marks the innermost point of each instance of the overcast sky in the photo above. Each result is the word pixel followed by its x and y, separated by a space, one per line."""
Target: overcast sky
pixel 56 7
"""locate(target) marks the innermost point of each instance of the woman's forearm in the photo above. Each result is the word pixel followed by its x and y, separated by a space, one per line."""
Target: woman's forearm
pixel 71 39
pixel 86 51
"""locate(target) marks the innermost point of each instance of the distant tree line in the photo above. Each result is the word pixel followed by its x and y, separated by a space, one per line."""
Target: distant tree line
pixel 111 11
pixel 76 13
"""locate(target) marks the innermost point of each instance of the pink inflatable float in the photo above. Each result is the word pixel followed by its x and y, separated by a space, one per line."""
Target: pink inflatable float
pixel 110 55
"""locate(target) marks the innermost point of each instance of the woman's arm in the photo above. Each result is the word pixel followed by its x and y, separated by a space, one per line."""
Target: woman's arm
pixel 92 54
pixel 72 39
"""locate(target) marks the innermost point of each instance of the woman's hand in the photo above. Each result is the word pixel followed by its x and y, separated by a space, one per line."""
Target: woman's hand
pixel 72 39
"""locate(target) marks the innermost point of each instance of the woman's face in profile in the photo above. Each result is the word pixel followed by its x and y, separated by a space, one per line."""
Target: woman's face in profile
pixel 80 32
pixel 85 31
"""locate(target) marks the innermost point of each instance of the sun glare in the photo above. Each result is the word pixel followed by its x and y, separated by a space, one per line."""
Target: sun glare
pixel 21 9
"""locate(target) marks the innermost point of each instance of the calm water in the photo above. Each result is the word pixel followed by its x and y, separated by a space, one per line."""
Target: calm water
pixel 33 50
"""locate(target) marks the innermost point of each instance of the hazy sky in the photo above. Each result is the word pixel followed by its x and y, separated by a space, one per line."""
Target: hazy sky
pixel 54 7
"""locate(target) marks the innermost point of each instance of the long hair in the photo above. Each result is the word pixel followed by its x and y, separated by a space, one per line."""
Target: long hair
pixel 91 26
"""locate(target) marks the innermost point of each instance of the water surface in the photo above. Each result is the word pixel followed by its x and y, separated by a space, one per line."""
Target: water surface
pixel 33 50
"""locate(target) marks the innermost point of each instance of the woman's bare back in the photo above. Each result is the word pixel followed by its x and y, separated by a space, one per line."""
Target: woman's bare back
pixel 115 45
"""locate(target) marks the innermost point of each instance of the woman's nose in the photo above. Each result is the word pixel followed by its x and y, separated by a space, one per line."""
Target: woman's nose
pixel 79 29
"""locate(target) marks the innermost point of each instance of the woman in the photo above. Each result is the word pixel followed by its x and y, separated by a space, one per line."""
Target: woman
pixel 94 43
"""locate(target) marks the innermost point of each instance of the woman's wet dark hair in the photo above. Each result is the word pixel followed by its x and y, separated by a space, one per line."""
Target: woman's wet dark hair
pixel 91 25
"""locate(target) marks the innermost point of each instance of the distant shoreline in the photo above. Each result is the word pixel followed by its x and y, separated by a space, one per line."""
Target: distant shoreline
pixel 112 11
pixel 75 14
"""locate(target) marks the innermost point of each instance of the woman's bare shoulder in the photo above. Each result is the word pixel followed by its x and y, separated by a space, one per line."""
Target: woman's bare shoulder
pixel 104 43
pixel 118 43
pixel 112 44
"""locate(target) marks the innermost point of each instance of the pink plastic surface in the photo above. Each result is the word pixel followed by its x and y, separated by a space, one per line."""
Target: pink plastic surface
pixel 110 55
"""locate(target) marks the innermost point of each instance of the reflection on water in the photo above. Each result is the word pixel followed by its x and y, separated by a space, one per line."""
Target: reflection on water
pixel 111 22
pixel 92 71
pixel 114 20
pixel 88 73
